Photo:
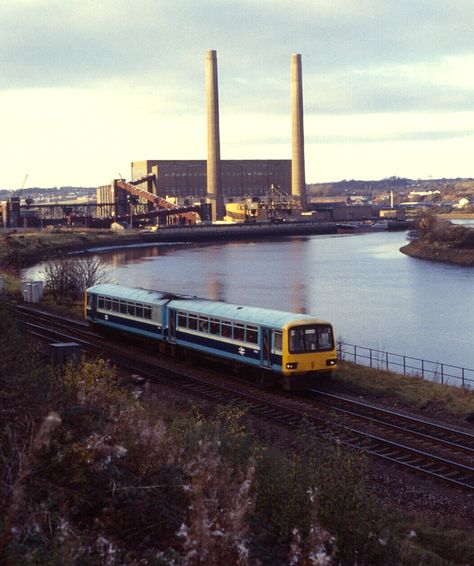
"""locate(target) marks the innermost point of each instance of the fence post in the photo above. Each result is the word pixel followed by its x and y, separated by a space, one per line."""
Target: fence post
pixel 370 354
pixel 423 369
pixel 355 354
pixel 386 360
pixel 442 374
pixel 462 376
pixel 404 366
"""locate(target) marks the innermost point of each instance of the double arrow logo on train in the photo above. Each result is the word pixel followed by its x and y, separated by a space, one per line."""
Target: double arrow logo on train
pixel 242 351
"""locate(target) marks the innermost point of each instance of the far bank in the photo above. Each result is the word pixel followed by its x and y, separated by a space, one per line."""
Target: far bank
pixel 439 240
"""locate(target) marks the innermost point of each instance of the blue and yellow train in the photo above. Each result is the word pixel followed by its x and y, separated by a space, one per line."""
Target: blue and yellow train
pixel 297 350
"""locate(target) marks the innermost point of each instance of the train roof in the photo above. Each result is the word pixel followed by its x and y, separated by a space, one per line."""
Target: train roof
pixel 137 294
pixel 218 309
pixel 239 313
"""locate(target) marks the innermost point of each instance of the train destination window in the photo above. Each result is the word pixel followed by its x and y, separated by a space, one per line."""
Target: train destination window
pixel 239 332
pixel 147 312
pixel 310 339
pixel 214 326
pixel 192 322
pixel 252 334
pixel 182 320
pixel 203 324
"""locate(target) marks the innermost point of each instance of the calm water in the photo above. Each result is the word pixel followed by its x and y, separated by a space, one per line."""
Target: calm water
pixel 374 295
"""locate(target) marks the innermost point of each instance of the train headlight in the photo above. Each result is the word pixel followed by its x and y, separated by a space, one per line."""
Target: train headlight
pixel 292 365
pixel 331 362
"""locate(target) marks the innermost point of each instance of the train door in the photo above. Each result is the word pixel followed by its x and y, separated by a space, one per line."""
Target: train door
pixel 172 325
pixel 93 303
pixel 266 347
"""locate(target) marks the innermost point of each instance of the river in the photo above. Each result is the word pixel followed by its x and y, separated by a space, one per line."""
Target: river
pixel 374 295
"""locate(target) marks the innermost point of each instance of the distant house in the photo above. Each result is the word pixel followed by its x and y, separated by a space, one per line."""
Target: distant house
pixel 463 202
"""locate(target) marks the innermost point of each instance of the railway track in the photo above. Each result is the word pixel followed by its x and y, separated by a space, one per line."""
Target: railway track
pixel 419 445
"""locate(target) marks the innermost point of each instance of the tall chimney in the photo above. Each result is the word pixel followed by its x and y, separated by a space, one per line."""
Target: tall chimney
pixel 214 180
pixel 298 183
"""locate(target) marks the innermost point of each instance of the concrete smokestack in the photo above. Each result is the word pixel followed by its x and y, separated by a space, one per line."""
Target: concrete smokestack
pixel 298 183
pixel 214 181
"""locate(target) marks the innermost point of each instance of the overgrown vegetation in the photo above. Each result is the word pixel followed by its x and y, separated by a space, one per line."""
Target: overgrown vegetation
pixel 90 475
pixel 437 231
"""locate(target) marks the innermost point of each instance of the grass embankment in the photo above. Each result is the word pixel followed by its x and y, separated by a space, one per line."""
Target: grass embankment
pixel 408 392
pixel 91 475
pixel 441 241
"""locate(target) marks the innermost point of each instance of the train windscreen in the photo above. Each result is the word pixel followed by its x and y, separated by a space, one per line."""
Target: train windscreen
pixel 311 338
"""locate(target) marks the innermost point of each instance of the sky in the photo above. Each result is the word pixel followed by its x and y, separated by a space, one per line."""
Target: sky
pixel 88 86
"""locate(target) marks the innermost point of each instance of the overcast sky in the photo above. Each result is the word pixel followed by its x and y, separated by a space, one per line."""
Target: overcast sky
pixel 87 86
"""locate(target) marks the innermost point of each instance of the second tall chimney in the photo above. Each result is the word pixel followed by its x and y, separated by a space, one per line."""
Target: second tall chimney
pixel 214 180
pixel 298 183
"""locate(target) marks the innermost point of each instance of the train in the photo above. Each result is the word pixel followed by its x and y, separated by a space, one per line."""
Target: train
pixel 293 351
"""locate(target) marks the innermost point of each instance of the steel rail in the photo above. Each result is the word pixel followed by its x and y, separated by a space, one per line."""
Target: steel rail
pixel 455 439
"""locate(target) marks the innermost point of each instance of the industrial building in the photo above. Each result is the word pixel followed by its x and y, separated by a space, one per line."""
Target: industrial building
pixel 188 178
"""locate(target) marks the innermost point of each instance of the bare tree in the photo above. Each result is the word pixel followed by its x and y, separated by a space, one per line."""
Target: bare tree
pixel 68 279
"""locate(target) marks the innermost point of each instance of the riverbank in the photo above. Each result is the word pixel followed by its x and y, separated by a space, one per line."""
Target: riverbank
pixel 442 241
pixel 437 252
pixel 21 248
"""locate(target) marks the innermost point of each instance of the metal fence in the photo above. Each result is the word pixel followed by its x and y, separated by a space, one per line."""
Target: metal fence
pixel 406 365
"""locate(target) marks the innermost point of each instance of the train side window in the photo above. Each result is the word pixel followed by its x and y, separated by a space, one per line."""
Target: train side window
pixel 147 312
pixel 139 310
pixel 215 326
pixel 278 342
pixel 226 329
pixel 252 334
pixel 100 301
pixel 192 322
pixel 203 324
pixel 239 332
pixel 115 306
pixel 296 341
pixel 107 304
pixel 182 320
pixel 123 307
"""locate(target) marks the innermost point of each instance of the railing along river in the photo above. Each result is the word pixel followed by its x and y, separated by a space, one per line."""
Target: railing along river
pixel 437 372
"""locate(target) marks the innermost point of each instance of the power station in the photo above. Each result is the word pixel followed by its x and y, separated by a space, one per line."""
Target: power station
pixel 218 180
pixel 180 190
